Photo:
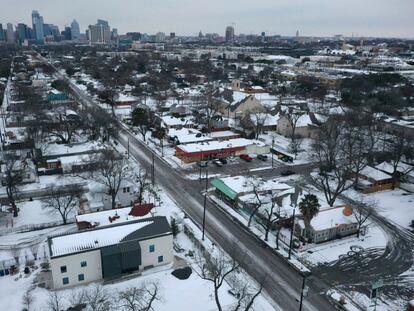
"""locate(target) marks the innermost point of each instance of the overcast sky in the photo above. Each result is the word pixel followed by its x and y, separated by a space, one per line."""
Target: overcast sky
pixel 388 18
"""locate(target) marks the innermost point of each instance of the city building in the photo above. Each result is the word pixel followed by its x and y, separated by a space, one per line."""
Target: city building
pixel 10 34
pixel 229 35
pixel 108 252
pixel 2 37
pixel 99 33
pixel 22 32
pixel 75 30
pixel 67 33
pixel 37 22
pixel 160 37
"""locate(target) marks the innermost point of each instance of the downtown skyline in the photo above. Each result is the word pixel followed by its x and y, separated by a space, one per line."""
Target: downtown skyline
pixel 184 17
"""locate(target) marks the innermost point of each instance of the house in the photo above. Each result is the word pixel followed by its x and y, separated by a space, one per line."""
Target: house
pixel 186 136
pixel 406 171
pixel 243 107
pixel 237 190
pixel 213 149
pixel 25 168
pixel 373 180
pixel 125 100
pixel 113 216
pixel 109 252
pixel 224 135
pixel 170 122
pixel 307 126
pixel 328 224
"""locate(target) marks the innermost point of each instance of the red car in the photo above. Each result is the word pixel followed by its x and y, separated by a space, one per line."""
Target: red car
pixel 246 157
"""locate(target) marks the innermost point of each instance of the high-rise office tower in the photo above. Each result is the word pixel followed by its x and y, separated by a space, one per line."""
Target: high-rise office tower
pixel 229 34
pixel 22 32
pixel 37 21
pixel 102 22
pixel 99 33
pixel 67 33
pixel 75 29
pixel 10 34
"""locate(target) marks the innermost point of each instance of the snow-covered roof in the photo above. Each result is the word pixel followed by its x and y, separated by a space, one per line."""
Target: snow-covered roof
pixel 102 218
pixel 265 118
pixel 331 217
pixel 221 134
pixel 185 135
pixel 124 98
pixel 57 149
pixel 374 174
pixel 217 145
pixel 72 243
pixel 172 121
pixel 241 184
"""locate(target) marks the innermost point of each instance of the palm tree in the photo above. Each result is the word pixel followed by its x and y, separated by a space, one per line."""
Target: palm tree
pixel 309 207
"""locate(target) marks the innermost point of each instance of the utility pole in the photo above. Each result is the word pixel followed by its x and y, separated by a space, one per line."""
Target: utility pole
pixel 302 293
pixel 153 169
pixel 291 234
pixel 205 203
pixel 128 147
pixel 271 151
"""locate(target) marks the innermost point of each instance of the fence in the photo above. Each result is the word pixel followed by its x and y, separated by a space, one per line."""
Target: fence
pixel 27 228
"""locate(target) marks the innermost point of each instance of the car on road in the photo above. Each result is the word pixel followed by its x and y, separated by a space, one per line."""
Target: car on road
pixel 217 162
pixel 246 157
pixel 287 173
pixel 223 160
pixel 262 157
pixel 202 163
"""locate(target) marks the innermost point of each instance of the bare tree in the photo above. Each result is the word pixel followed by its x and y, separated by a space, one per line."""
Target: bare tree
pixel 109 170
pixel 334 169
pixel 144 184
pixel 28 299
pixel 77 297
pixel 293 118
pixel 359 140
pixel 399 146
pixel 255 120
pixel 98 299
pixel 63 200
pixel 272 212
pixel 13 176
pixel 362 214
pixel 216 270
pixel 62 127
pixel 220 269
pixel 55 301
pixel 255 185
pixel 139 298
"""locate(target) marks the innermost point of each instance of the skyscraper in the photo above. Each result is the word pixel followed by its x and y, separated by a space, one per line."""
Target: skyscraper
pixel 102 22
pixel 37 21
pixel 22 32
pixel 75 29
pixel 229 34
pixel 99 33
pixel 10 34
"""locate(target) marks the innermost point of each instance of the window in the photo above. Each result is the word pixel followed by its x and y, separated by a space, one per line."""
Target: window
pixel 81 277
pixel 152 248
pixel 83 264
pixel 65 281
pixel 160 258
pixel 126 189
pixel 63 269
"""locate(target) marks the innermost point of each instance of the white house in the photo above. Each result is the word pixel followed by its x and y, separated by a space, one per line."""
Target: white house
pixel 109 252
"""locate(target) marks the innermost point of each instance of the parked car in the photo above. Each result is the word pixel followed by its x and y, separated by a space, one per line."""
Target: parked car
pixel 202 163
pixel 262 157
pixel 217 162
pixel 223 160
pixel 246 157
pixel 287 173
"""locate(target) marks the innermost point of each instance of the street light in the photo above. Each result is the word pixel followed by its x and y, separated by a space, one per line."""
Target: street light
pixel 205 203
pixel 303 292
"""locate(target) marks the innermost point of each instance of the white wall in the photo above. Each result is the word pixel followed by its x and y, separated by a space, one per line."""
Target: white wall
pixel 163 247
pixel 92 272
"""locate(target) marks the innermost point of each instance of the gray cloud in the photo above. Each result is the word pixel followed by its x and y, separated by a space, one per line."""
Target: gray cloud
pixel 187 17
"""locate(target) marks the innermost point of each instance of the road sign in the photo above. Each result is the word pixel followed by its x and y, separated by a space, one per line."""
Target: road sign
pixel 377 284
